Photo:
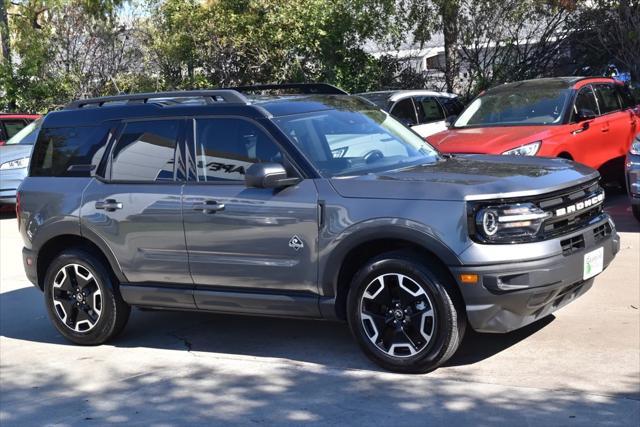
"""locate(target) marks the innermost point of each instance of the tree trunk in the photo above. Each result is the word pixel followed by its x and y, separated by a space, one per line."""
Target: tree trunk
pixel 449 10
pixel 4 32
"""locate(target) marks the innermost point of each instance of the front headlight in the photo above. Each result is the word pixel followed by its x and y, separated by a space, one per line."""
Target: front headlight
pixel 15 164
pixel 525 150
pixel 635 147
pixel 509 222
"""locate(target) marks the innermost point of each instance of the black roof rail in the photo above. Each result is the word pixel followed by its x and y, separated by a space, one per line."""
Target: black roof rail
pixel 210 97
pixel 304 88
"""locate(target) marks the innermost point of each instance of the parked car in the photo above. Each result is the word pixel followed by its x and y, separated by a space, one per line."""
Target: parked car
pixel 426 112
pixel 590 120
pixel 11 124
pixel 217 201
pixel 14 161
pixel 632 166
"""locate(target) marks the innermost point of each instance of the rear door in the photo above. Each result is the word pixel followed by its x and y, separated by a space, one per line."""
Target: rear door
pixel 255 240
pixel 614 123
pixel 137 209
pixel 431 116
pixel 586 143
pixel 405 112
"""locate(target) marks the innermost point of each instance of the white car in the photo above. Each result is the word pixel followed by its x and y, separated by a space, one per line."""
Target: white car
pixel 426 112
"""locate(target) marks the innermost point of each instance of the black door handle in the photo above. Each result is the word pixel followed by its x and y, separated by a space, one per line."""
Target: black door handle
pixel 208 207
pixel 108 205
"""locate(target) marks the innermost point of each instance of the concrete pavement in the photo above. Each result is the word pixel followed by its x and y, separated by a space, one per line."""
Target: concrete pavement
pixel 578 367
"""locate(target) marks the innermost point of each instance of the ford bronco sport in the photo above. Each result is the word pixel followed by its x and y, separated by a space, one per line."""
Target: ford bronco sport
pixel 314 204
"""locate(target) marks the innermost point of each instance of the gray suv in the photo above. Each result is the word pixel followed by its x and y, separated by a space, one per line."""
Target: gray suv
pixel 313 204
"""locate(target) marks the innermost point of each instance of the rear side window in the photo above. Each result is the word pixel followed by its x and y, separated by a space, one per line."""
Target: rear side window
pixel 626 97
pixel 607 99
pixel 12 127
pixel 585 104
pixel 226 147
pixel 403 110
pixel 452 106
pixel 57 150
pixel 146 151
pixel 429 110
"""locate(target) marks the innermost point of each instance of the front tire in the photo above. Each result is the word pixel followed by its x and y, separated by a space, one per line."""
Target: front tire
pixel 404 313
pixel 636 211
pixel 81 300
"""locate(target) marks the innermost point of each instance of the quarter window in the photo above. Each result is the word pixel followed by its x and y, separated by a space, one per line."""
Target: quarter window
pixel 57 149
pixel 146 151
pixel 607 99
pixel 404 111
pixel 226 147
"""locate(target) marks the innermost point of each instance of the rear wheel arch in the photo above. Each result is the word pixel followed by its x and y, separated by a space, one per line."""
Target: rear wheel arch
pixel 56 245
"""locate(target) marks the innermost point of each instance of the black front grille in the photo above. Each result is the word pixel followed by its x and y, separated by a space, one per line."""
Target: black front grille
pixel 571 209
pixel 573 244
pixel 601 232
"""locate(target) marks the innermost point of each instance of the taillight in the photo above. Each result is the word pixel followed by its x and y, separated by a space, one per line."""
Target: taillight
pixel 18 210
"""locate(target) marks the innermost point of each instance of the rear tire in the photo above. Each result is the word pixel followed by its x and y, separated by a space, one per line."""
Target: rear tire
pixel 405 314
pixel 82 300
pixel 636 211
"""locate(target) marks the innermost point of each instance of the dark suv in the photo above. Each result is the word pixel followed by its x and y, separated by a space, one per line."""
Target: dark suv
pixel 309 205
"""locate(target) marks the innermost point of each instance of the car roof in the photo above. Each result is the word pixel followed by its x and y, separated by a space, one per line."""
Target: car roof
pixel 254 107
pixel 549 82
pixel 18 116
pixel 396 95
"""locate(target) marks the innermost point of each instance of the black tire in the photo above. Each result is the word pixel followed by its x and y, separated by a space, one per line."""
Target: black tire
pixel 447 325
pixel 110 312
pixel 636 211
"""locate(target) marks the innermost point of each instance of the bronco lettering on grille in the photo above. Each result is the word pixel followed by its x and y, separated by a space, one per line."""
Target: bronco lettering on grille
pixel 584 204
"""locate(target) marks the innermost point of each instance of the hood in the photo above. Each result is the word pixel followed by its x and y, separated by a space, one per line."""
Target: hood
pixel 489 140
pixel 14 152
pixel 469 177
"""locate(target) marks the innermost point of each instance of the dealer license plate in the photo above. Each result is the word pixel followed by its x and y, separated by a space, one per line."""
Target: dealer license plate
pixel 593 263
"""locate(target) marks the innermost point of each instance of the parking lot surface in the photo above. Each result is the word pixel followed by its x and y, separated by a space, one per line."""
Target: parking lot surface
pixel 580 366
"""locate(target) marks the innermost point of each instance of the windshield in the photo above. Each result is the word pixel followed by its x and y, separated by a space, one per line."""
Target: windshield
pixel 355 142
pixel 523 106
pixel 27 135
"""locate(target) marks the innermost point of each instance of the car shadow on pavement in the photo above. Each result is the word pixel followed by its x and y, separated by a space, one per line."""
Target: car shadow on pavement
pixel 23 316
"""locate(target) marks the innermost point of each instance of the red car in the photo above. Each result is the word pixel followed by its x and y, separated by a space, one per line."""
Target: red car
pixel 10 124
pixel 591 120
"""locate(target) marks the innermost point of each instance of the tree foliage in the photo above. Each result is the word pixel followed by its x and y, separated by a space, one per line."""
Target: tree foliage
pixel 57 50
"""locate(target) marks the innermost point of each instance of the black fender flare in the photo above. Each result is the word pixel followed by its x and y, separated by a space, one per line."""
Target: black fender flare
pixel 376 229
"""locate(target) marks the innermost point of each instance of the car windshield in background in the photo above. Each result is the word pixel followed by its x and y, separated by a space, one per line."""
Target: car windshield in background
pixel 522 106
pixel 345 143
pixel 27 135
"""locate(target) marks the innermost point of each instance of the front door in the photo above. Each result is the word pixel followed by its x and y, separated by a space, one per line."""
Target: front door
pixel 252 240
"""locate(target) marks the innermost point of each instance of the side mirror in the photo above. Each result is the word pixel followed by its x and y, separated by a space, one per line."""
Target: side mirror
pixel 449 121
pixel 585 114
pixel 268 175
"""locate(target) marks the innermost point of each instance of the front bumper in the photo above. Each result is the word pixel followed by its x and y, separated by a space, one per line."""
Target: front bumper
pixel 10 181
pixel 511 295
pixel 632 167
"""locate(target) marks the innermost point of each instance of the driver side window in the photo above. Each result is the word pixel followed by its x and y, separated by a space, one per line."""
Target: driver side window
pixel 585 104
